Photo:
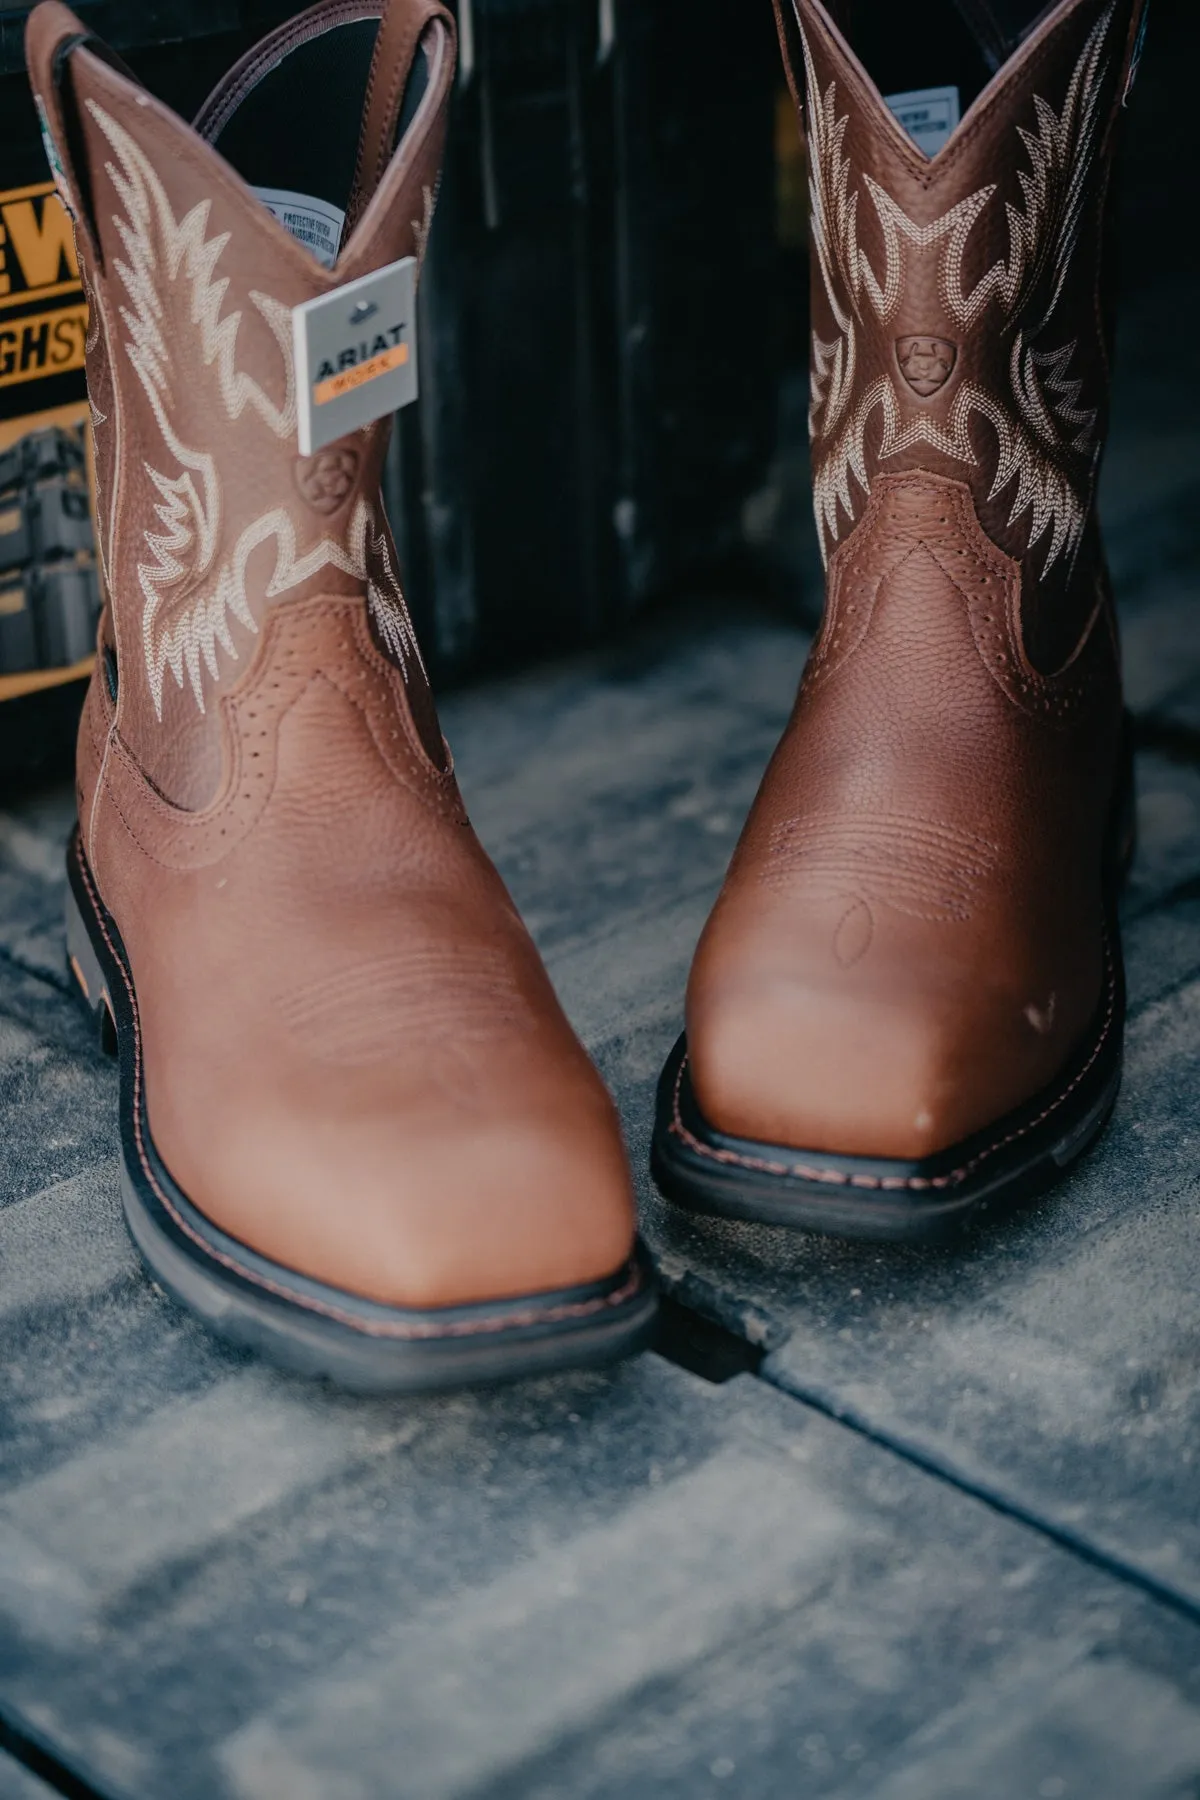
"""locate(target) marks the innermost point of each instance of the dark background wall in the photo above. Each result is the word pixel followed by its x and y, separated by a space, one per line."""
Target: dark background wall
pixel 615 315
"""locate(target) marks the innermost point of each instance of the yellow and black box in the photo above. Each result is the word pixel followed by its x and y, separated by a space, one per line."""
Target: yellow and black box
pixel 43 314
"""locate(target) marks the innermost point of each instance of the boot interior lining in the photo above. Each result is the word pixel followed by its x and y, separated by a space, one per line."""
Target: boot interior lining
pixel 297 127
pixel 954 43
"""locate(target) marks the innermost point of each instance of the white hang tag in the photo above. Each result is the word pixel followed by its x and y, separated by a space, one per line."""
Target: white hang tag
pixel 929 115
pixel 356 354
pixel 312 222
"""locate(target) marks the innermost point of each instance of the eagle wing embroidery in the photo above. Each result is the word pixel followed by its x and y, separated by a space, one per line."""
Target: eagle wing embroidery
pixel 1046 427
pixel 190 589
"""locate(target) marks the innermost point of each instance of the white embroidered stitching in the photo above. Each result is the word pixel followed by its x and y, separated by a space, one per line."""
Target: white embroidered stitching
pixel 158 247
pixel 1042 237
pixel 389 608
pixel 1043 489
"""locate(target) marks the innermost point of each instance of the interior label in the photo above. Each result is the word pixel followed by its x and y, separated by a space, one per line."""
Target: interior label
pixel 356 354
pixel 928 115
pixel 312 222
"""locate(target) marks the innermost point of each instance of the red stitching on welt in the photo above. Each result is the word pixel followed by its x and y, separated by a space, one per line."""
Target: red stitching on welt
pixel 835 1177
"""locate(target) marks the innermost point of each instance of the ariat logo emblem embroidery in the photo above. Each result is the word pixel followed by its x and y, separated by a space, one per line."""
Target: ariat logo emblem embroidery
pixel 1045 439
pixel 326 479
pixel 926 363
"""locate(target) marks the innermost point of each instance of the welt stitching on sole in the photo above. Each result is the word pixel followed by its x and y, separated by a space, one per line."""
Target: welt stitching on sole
pixel 836 1177
pixel 369 1328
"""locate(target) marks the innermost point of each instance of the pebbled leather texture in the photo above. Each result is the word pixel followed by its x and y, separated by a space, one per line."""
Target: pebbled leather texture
pixel 354 1060
pixel 910 941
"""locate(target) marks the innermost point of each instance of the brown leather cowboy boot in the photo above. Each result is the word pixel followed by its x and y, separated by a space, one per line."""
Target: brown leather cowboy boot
pixel 357 1129
pixel 907 1003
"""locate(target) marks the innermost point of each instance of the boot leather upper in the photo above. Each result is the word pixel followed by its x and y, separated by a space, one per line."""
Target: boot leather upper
pixel 352 1057
pixel 911 940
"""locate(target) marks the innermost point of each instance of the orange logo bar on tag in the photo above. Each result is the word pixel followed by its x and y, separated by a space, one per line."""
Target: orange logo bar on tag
pixel 342 383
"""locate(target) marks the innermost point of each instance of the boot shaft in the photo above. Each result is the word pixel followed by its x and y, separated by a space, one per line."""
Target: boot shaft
pixel 960 307
pixel 209 515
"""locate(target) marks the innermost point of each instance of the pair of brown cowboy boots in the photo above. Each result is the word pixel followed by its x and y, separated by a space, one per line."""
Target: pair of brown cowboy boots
pixel 358 1131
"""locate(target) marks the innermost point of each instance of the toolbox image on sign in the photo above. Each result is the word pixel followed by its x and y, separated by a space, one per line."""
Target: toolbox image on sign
pixel 39 455
pixel 66 607
pixel 18 645
pixel 16 532
pixel 49 584
pixel 61 522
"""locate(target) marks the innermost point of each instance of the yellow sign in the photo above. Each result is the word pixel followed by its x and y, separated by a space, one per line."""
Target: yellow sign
pixel 43 315
pixel 41 344
pixel 37 247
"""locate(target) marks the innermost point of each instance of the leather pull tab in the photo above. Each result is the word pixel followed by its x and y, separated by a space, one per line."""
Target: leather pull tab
pixel 47 28
pixel 400 30
pixel 52 35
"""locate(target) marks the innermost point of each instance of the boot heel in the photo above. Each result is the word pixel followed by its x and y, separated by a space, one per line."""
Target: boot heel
pixel 85 967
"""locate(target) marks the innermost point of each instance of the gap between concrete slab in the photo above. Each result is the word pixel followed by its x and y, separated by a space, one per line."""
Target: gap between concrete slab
pixel 42 1762
pixel 725 1315
pixel 697 1343
pixel 716 1353
pixel 945 1470
pixel 60 985
pixel 717 1340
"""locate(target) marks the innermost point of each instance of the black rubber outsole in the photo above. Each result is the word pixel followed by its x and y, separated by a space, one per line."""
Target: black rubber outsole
pixel 302 1324
pixel 931 1201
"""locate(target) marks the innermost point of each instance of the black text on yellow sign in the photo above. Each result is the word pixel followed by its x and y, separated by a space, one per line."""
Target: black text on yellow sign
pixel 37 249
pixel 41 344
pixel 38 262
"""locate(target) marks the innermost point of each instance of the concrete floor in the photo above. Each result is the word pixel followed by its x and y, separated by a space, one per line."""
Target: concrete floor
pixel 933 1529
pixel 883 1523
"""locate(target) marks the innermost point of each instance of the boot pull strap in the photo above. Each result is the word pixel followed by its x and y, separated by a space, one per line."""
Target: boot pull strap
pixel 400 30
pixel 52 35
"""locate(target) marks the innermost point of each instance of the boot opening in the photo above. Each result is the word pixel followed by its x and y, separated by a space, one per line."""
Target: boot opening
pixel 931 60
pixel 289 120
